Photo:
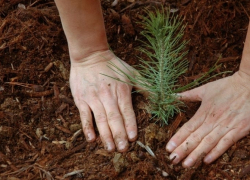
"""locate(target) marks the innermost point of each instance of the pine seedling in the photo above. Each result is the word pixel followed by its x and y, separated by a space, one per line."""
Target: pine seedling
pixel 165 49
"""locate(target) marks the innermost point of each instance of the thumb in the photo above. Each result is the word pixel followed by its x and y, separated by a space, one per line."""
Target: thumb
pixel 192 95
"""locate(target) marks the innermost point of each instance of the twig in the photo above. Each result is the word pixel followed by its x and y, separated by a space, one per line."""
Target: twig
pixel 196 20
pixel 75 135
pixel 48 67
pixel 245 10
pixel 39 94
pixel 18 171
pixel 66 154
pixel 73 173
pixel 63 129
pixel 47 173
pixel 175 124
pixel 129 6
pixel 34 3
pixel 227 59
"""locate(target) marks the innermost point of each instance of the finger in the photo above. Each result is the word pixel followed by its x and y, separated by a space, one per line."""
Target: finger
pixel 87 123
pixel 190 144
pixel 102 123
pixel 188 128
pixel 126 109
pixel 204 143
pixel 225 142
pixel 114 117
pixel 192 95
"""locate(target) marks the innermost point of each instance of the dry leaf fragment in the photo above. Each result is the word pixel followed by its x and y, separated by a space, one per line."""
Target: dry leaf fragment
pixel 115 2
pixel 62 69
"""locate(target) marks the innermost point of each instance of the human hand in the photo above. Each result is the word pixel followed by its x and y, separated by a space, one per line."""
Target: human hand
pixel 222 119
pixel 108 99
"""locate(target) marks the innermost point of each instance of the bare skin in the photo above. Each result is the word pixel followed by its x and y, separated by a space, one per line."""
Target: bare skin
pixel 108 99
pixel 221 120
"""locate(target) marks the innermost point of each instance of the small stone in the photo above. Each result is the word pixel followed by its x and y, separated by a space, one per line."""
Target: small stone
pixel 39 132
pixel 115 2
pixel 164 174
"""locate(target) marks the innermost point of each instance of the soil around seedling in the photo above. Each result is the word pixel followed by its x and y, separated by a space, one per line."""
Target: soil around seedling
pixel 40 128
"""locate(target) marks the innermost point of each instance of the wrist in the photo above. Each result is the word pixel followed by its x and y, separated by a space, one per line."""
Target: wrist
pixel 245 61
pixel 80 53
pixel 93 57
pixel 243 78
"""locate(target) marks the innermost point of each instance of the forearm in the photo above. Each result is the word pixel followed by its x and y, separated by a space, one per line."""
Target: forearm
pixel 245 61
pixel 83 25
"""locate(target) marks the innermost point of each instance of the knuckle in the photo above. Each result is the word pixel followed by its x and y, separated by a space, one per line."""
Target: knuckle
pixel 189 127
pixel 209 139
pixel 216 151
pixel 244 125
pixel 84 116
pixel 123 88
pixel 128 112
pixel 100 118
pixel 89 91
pixel 196 137
pixel 113 116
pixel 104 91
pixel 86 125
pixel 183 151
pixel 227 142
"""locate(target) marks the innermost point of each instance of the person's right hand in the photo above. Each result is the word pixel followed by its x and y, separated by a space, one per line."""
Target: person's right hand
pixel 108 99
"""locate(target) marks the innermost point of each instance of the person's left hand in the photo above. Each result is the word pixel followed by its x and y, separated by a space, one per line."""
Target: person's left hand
pixel 108 99
pixel 222 119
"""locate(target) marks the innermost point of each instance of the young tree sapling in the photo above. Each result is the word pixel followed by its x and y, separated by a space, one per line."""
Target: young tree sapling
pixel 159 73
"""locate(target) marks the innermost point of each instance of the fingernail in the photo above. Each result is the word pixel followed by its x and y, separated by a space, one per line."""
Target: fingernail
pixel 122 145
pixel 188 162
pixel 109 146
pixel 132 134
pixel 171 146
pixel 208 159
pixel 174 158
pixel 90 136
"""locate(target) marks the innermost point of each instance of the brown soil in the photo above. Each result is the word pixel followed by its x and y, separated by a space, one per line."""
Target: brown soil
pixel 38 118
